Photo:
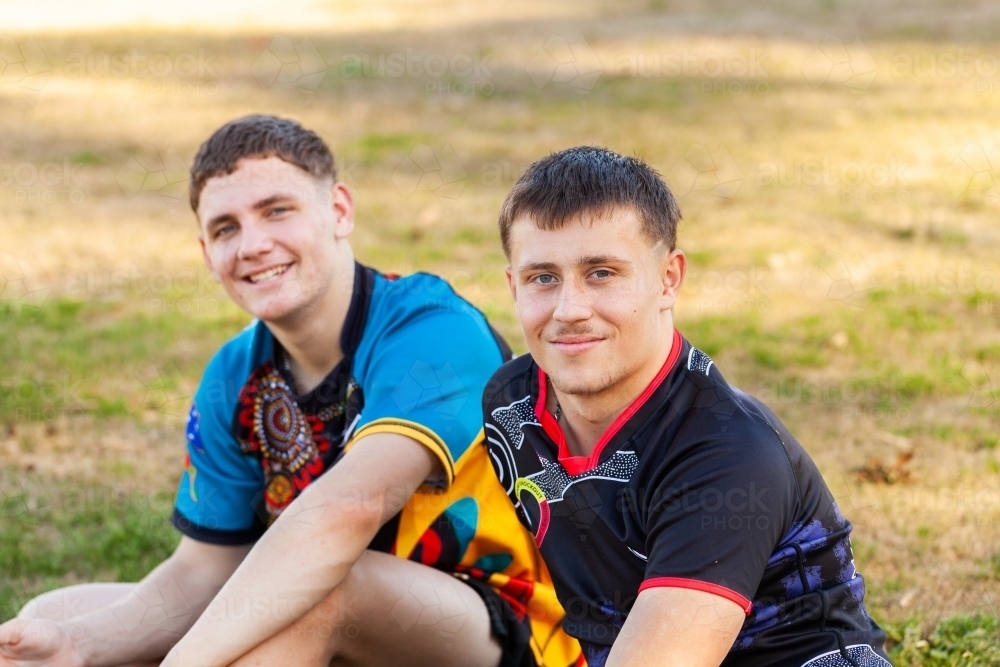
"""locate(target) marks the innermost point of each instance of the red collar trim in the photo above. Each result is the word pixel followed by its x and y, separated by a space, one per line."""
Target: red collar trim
pixel 577 465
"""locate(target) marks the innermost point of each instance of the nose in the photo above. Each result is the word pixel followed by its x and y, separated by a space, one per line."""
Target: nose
pixel 254 241
pixel 574 304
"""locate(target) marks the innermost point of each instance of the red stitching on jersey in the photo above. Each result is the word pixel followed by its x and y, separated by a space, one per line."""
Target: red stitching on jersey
pixel 577 465
pixel 704 586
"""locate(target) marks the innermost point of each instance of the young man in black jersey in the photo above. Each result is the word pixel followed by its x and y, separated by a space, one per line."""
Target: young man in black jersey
pixel 682 523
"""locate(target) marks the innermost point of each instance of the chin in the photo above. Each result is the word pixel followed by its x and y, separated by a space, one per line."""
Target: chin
pixel 271 312
pixel 583 384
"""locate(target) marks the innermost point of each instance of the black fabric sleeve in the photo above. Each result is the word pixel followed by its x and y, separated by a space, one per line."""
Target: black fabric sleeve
pixel 717 510
pixel 215 536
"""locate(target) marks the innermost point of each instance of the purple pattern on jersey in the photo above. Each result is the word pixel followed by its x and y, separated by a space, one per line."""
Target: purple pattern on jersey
pixel 834 567
pixel 597 656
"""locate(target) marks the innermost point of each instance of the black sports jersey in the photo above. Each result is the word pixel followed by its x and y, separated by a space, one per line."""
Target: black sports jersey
pixel 696 485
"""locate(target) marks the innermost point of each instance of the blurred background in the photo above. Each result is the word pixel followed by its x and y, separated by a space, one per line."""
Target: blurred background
pixel 836 161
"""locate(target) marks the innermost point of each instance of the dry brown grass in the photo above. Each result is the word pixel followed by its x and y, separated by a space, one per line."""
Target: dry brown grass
pixel 838 288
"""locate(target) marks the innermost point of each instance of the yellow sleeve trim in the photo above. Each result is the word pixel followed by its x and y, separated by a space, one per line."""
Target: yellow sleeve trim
pixel 414 431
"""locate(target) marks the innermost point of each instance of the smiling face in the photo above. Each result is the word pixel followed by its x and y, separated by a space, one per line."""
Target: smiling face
pixel 273 235
pixel 594 299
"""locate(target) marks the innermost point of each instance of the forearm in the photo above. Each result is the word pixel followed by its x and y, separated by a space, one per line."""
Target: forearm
pixel 679 627
pixel 308 551
pixel 300 560
pixel 147 623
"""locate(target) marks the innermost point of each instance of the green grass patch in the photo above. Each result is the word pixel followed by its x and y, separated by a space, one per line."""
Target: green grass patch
pixel 54 534
pixel 872 368
pixel 963 641
pixel 108 359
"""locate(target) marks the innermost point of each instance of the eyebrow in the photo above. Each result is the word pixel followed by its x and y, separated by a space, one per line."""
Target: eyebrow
pixel 588 260
pixel 269 201
pixel 262 204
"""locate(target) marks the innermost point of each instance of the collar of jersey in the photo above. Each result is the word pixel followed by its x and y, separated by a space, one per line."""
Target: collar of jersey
pixel 350 337
pixel 577 465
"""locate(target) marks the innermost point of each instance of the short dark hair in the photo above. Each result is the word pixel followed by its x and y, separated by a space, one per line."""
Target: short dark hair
pixel 590 179
pixel 259 137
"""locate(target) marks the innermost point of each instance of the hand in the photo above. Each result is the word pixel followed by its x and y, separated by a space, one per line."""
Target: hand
pixel 34 643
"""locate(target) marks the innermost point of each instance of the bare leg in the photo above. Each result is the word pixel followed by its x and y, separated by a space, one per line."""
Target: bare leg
pixel 63 604
pixel 67 603
pixel 388 611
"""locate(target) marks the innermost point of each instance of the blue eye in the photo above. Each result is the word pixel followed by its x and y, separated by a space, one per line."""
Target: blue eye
pixel 546 279
pixel 602 273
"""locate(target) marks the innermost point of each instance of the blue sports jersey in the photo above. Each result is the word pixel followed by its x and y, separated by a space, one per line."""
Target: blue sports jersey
pixel 416 357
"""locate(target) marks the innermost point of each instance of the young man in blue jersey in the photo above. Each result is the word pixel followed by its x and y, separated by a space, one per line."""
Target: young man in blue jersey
pixel 682 523
pixel 337 505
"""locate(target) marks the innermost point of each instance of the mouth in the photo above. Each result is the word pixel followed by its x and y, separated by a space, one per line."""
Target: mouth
pixel 573 345
pixel 267 274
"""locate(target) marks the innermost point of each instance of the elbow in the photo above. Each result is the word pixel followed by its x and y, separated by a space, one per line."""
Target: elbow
pixel 353 515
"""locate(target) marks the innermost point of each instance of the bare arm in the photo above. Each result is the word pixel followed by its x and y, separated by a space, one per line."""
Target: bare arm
pixel 679 627
pixel 144 625
pixel 309 550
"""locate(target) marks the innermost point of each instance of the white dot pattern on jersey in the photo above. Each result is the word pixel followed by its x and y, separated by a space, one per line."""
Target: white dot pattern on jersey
pixel 554 480
pixel 699 361
pixel 513 418
pixel 862 654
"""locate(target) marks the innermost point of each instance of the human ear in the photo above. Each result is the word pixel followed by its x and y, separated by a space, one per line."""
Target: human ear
pixel 342 202
pixel 673 268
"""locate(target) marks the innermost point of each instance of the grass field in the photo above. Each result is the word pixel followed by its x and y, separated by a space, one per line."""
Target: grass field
pixel 837 166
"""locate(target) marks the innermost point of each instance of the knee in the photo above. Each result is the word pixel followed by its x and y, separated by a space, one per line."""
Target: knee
pixel 333 622
pixel 63 604
pixel 52 606
pixel 336 621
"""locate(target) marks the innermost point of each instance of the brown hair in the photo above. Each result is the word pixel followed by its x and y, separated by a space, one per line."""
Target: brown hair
pixel 589 179
pixel 259 137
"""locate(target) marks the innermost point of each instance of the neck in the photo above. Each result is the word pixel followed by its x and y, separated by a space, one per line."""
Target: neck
pixel 312 337
pixel 586 417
